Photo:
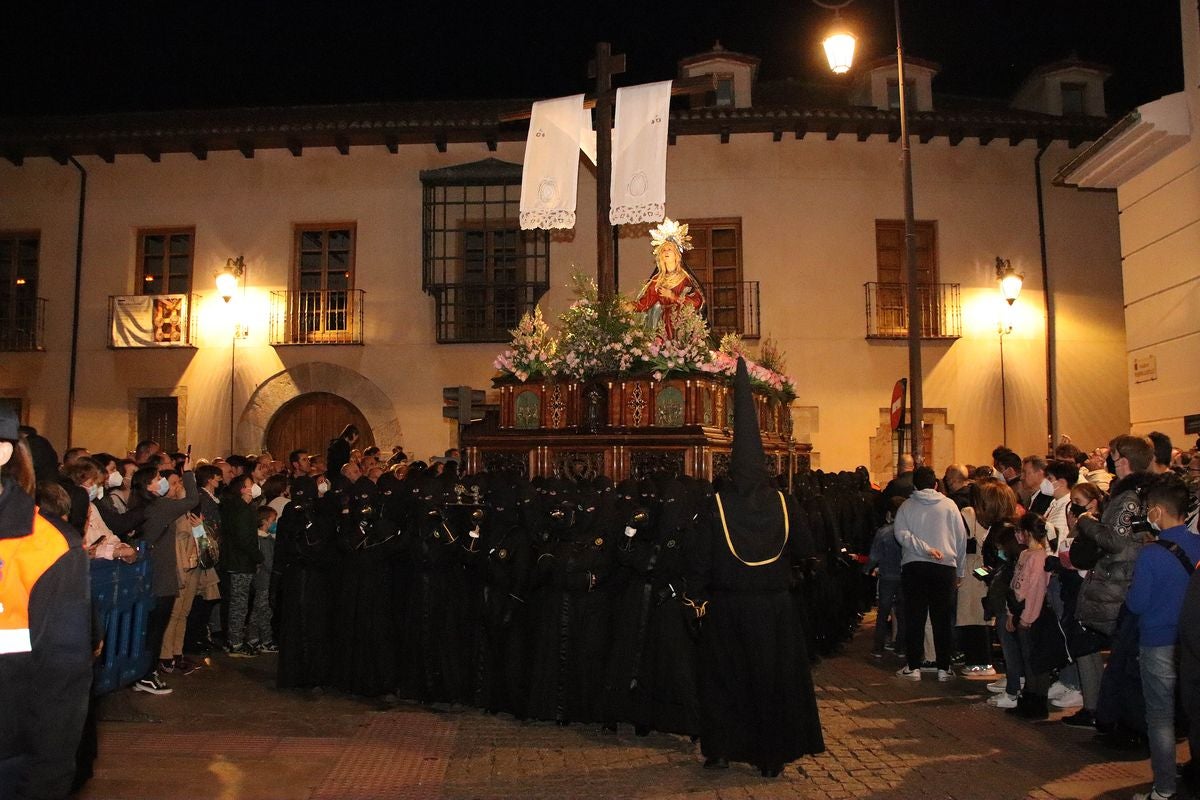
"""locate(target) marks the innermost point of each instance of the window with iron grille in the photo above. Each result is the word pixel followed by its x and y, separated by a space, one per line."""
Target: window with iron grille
pixel 324 279
pixel 158 419
pixel 20 309
pixel 165 261
pixel 482 270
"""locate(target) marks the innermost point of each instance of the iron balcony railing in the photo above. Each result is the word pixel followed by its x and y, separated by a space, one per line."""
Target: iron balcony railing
pixel 22 325
pixel 734 308
pixel 150 320
pixel 333 316
pixel 482 312
pixel 888 317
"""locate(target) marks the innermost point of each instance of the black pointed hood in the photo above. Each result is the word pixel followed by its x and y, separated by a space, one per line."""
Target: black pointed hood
pixel 747 463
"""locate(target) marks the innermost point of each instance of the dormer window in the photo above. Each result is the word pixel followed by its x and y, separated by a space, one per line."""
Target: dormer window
pixel 1073 98
pixel 910 93
pixel 724 97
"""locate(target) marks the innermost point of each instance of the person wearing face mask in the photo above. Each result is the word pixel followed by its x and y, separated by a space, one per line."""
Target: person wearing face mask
pixel 240 558
pixel 149 489
pixel 1160 580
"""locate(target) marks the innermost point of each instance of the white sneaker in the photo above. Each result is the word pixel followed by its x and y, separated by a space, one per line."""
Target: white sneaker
pixel 1068 699
pixel 908 674
pixel 1003 700
pixel 1056 690
pixel 998 687
pixel 945 675
pixel 1153 794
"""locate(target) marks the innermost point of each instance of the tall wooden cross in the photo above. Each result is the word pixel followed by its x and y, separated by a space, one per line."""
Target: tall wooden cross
pixel 602 68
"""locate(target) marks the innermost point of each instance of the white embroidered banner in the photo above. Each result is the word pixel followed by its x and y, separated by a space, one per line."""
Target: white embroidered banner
pixel 639 154
pixel 550 175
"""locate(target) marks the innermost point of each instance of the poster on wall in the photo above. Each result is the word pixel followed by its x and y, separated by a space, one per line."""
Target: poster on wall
pixel 150 321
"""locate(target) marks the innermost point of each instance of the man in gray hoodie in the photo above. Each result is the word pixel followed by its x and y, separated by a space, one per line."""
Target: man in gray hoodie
pixel 933 537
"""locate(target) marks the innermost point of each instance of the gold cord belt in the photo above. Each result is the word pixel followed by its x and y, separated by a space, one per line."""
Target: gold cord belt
pixel 729 541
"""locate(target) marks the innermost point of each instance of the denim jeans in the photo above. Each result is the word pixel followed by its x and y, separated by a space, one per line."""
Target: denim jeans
pixel 889 605
pixel 1014 665
pixel 1158 687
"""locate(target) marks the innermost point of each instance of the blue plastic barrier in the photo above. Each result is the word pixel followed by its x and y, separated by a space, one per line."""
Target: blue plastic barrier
pixel 122 597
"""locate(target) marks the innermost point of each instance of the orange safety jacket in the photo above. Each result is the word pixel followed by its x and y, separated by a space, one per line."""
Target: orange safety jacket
pixel 23 561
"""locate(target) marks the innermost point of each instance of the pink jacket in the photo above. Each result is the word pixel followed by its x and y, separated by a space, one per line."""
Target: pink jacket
pixel 1029 583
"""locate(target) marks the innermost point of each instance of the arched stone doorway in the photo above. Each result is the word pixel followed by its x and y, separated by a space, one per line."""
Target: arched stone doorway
pixel 316 376
pixel 310 421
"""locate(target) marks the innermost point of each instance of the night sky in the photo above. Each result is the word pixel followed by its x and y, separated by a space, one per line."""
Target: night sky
pixel 123 55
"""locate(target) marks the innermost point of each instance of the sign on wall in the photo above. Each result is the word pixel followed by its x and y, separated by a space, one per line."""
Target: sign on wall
pixel 1145 369
pixel 150 320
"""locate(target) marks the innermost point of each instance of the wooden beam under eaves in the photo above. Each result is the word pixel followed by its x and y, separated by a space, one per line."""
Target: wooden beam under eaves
pixel 956 137
pixel 777 135
pixel 925 136
pixel 1075 141
pixel 1015 137
pixel 863 133
pixel 151 152
pixel 246 148
pixel 894 134
pixel 440 141
pixel 801 130
pixel 61 156
pixel 986 135
pixel 492 143
pixel 200 151
pixel 670 139
pixel 295 147
pixel 1044 140
pixel 393 144
pixel 15 157
pixel 832 132
pixel 106 153
pixel 724 135
pixel 342 144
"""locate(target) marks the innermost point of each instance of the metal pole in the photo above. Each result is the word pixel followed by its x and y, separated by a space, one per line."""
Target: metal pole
pixel 1003 393
pixel 83 176
pixel 232 382
pixel 1048 300
pixel 917 401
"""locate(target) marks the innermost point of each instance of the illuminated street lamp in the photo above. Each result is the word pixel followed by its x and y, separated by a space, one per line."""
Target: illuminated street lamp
pixel 837 40
pixel 227 278
pixel 1010 280
pixel 839 46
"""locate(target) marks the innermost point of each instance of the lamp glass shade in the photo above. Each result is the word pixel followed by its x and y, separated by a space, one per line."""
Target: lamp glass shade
pixel 839 49
pixel 1010 286
pixel 226 285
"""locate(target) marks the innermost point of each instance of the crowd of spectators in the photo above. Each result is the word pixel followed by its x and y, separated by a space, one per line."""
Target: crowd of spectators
pixel 1076 567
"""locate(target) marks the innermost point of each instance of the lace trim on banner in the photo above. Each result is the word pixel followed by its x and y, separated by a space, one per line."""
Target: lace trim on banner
pixel 632 215
pixel 547 218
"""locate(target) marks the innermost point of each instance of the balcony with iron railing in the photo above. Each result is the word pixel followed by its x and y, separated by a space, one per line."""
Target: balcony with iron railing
pixel 888 317
pixel 482 312
pixel 734 308
pixel 22 326
pixel 332 316
pixel 150 320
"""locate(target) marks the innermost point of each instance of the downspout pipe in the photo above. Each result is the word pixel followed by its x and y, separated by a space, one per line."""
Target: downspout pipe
pixel 83 176
pixel 1048 301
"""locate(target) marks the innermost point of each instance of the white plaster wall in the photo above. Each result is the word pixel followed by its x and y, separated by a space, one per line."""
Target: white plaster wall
pixel 808 211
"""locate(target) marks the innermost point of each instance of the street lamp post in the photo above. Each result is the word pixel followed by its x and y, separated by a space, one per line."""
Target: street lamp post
pixel 1010 287
pixel 836 44
pixel 227 284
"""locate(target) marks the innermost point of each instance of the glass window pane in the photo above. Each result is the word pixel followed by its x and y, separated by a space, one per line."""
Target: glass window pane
pixel 152 245
pixel 181 265
pixel 310 261
pixel 338 261
pixel 724 237
pixel 6 246
pixel 724 258
pixel 181 244
pixel 310 281
pixel 28 250
pixel 311 240
pixel 177 284
pixel 337 280
pixel 339 240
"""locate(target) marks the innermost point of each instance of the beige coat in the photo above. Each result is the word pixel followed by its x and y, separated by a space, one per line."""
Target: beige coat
pixel 972 591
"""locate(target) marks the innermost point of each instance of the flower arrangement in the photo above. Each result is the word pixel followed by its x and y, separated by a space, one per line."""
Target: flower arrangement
pixel 606 336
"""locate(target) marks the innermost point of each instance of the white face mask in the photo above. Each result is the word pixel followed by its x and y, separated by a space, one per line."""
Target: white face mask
pixel 95 492
pixel 997 474
pixel 114 480
pixel 255 490
pixel 1047 487
pixel 162 487
pixel 322 488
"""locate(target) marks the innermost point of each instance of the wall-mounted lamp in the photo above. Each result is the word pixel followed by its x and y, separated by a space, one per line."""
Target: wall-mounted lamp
pixel 227 278
pixel 1010 280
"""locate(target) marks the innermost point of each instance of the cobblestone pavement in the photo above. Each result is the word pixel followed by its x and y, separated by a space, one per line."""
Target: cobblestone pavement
pixel 227 733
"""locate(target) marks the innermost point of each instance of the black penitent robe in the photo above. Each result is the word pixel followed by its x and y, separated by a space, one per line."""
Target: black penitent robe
pixel 307 561
pixel 757 698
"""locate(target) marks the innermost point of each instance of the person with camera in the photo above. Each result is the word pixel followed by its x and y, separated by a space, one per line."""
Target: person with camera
pixel 1107 548
pixel 1160 580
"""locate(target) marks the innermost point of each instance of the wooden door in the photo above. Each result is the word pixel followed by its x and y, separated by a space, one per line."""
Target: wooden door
pixel 892 310
pixel 310 421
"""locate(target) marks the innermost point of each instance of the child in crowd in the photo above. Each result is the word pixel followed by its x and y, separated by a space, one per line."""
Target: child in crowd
pixel 1002 540
pixel 260 614
pixel 1031 619
pixel 885 560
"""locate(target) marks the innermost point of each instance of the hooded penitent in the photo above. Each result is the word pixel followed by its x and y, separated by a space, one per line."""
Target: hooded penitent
pixel 750 504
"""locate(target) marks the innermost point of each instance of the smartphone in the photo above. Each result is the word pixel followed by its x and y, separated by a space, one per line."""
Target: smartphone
pixel 189 451
pixel 982 573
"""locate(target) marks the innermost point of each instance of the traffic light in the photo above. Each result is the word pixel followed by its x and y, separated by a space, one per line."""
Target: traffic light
pixel 463 404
